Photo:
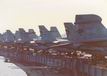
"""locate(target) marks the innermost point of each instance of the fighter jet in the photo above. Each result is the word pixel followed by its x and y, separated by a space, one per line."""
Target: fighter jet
pixel 21 36
pixel 8 36
pixel 52 36
pixel 46 35
pixel 55 32
pixel 88 33
pixel 32 35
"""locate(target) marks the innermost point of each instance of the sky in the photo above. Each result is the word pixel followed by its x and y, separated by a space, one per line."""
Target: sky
pixel 29 14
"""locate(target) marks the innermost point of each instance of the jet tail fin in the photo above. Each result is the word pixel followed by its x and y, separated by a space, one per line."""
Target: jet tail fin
pixel 55 32
pixel 70 31
pixel 45 34
pixel 43 30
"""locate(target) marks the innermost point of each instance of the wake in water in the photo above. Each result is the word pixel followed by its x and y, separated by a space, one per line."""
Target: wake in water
pixel 10 69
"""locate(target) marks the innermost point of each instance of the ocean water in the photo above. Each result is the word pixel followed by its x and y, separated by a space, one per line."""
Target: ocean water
pixel 10 69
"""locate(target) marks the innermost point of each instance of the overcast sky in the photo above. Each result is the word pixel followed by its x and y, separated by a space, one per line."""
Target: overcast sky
pixel 27 14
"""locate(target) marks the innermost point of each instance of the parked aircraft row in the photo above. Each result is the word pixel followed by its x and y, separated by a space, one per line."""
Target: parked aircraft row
pixel 21 36
pixel 86 33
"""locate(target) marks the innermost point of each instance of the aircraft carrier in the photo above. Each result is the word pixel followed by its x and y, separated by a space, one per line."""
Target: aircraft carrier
pixel 82 53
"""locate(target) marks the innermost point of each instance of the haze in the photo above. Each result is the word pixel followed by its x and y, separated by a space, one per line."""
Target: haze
pixel 27 14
